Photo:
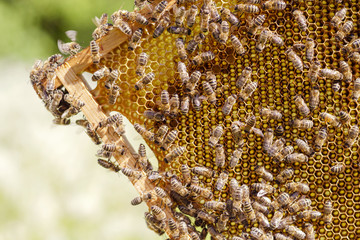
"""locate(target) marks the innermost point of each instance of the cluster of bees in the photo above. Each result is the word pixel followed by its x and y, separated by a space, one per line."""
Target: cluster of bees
pixel 271 208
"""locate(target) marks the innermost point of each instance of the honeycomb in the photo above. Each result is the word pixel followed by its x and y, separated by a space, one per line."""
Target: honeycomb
pixel 278 83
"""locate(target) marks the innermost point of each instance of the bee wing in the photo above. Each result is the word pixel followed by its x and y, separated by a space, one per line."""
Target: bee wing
pixel 261 193
pixel 63 47
pixel 299 46
pixel 104 18
pixel 96 21
pixel 38 64
pixel 71 34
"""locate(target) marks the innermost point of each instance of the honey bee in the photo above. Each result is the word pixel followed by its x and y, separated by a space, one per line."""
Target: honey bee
pixel 263 187
pixel 178 187
pixel 72 47
pixel 255 24
pixel 224 33
pixel 352 136
pixel 314 71
pixel 249 211
pixel 176 152
pixel 246 8
pixel 331 74
pixel 109 165
pixel 215 205
pixel 203 58
pixel 155 116
pixel 204 19
pixel 193 80
pixel 220 155
pixel 185 105
pixel 260 208
pixel 276 219
pixel 261 41
pixel 268 139
pixel 158 213
pixel 169 139
pixel 250 123
pixel 101 73
pixel 276 5
pixel 328 208
pixel 214 14
pixel 309 231
pixel 89 130
pixel 144 132
pixel 183 230
pixel 135 39
pixel 179 16
pixel 222 221
pixel 298 187
pixel 210 93
pixel 179 30
pixel 102 26
pixel 248 90
pixel 279 236
pixel 122 26
pixel 116 119
pixel 338 17
pixel 331 119
pixel 321 138
pixel 196 102
pixel 300 205
pixel 301 20
pixel 113 76
pixel 163 195
pixel 283 200
pixel 345 117
pixel 221 181
pixel 346 71
pixel 355 56
pixel 203 171
pixel 296 232
pixel 344 30
pixel 296 157
pixel 131 173
pixel 281 155
pixel 191 16
pixel 153 224
pixel 186 174
pixel 74 109
pixel 264 201
pixel 193 43
pixel 264 174
pixel 304 147
pixel 302 124
pixel 160 134
pixel 356 91
pixel 215 235
pixel 258 234
pixel 285 175
pixel 271 114
pixel 141 63
pixel 158 10
pixel 338 167
pixel 314 98
pixel 114 93
pixel 148 78
pixel 279 130
pixel 173 228
pixel 230 17
pixel 183 73
pixel 276 39
pixel 174 105
pixel 165 102
pixel 307 215
pixel 244 77
pixel 310 49
pixel 206 193
pixel 229 103
pixel 353 46
pixel 95 54
pixel 276 147
pixel 179 42
pixel 295 59
pixel 215 30
pixel 160 28
pixel 50 85
pixel 236 44
pixel 136 201
pixel 235 157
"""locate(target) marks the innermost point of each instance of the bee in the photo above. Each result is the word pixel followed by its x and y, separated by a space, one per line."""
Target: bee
pixel 301 20
pixel 295 59
pixel 296 157
pixel 183 73
pixel 298 187
pixel 160 134
pixel 123 26
pixel 185 105
pixel 279 236
pixel 50 85
pixel 196 102
pixel 249 211
pixel 344 30
pixel 345 117
pixel 355 56
pixel 215 205
pixel 169 139
pixel 178 187
pixel 300 205
pixel 353 46
pixel 179 16
pixel 185 171
pixel 89 130
pixel 179 30
pixel 153 224
pixel 141 63
pixel 229 103
pixel 261 41
pixel 304 147
pixel 109 165
pixel 194 235
pixel 224 32
pixel 219 155
pixel 191 16
pixel 206 193
pixel 236 44
pixel 264 174
pixel 281 155
pixel 136 201
pixel 116 119
pixel 279 130
pixel 160 28
pixel 276 147
pixel 271 114
pixel 114 93
pixel 236 134
pixel 285 175
pixel 193 43
pixel 144 132
pixel 331 119
pixel 246 8
pixel 95 54
pixel 73 109
pixel 203 58
pixel 72 47
pixel 338 17
pixel 215 235
pixel 258 234
pixel 204 19
pixel 314 71
pixel 296 232
pixel 165 102
pixel 274 5
pixel 142 157
pixel 159 214
pixel 255 24
pixel 356 91
pixel 131 173
pixel 184 231
pixel 276 219
pixel 235 157
pixel 264 201
pixel 148 78
pixel 173 228
pixel 307 215
pixel 158 10
pixel 321 138
pixel 210 93
pixel 328 208
pixel 176 152
pixel 248 90
pixel 206 172
pixel 155 116
pixel 302 124
pixel 179 42
pixel 310 49
pixel 283 200
pixel 260 208
pixel 309 231
pixel 163 195
pixel 268 139
pixel 214 14
pixel 113 76
pixel 346 71
pixel 338 167
pixel 276 39
pixel 221 181
pixel 135 39
pixel 352 136
pixel 244 77
pixel 263 187
pixel 314 98
pixel 222 221
pixel 174 105
pixel 331 74
pixel 193 80
pixel 101 73
pixel 230 17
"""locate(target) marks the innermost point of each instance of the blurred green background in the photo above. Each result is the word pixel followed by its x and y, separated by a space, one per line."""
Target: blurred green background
pixel 50 184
